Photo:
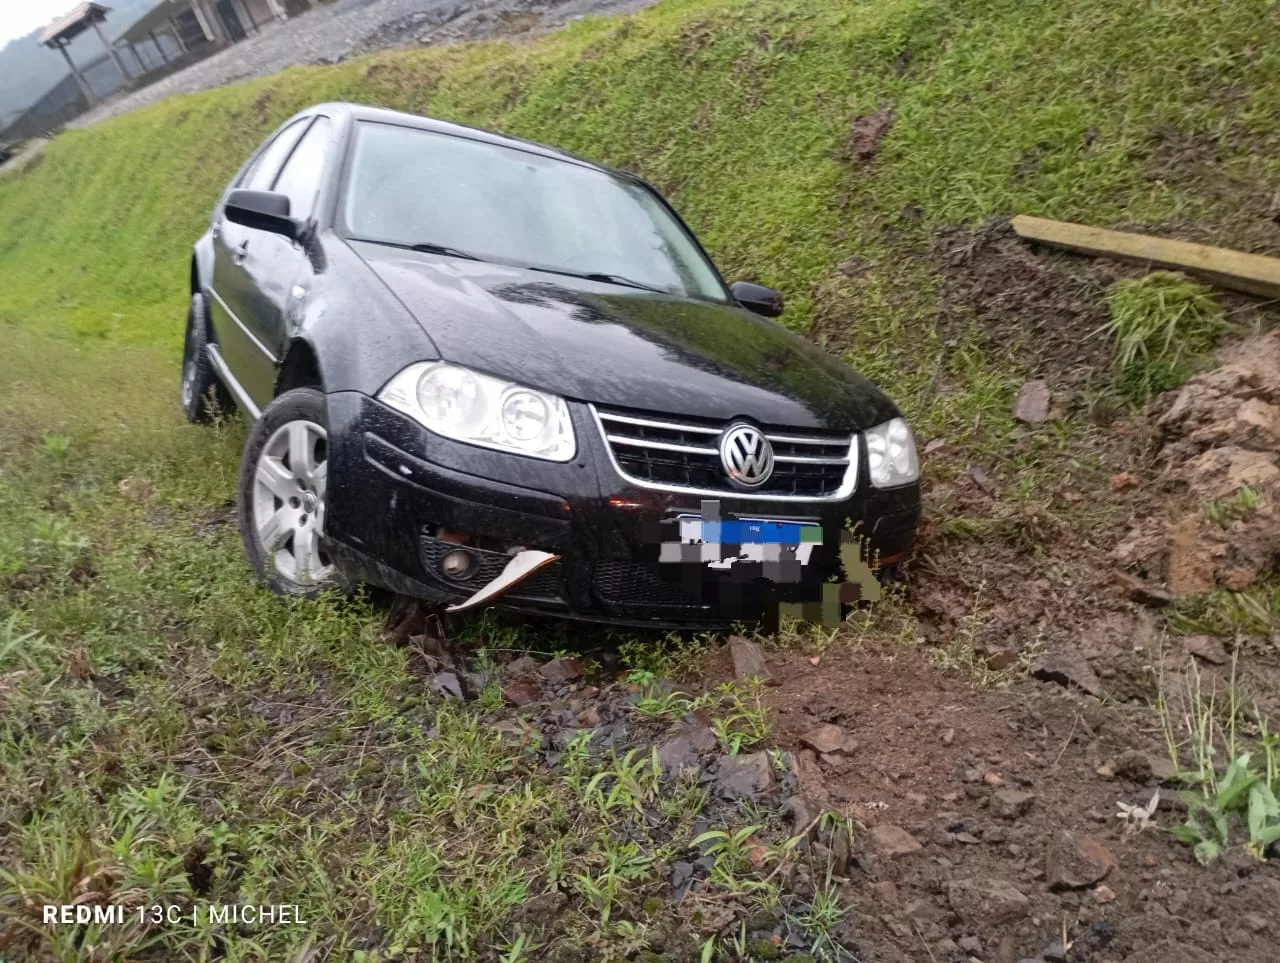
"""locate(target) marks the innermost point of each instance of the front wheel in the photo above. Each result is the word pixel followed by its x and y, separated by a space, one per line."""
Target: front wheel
pixel 283 482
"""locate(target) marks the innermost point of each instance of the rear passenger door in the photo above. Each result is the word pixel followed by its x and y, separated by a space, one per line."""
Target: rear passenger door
pixel 234 299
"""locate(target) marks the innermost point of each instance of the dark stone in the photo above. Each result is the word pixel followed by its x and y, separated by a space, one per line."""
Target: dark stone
pixel 988 901
pixel 1067 669
pixel 1032 403
pixel 738 777
pixel 1076 861
pixel 447 684
pixel 561 670
pixel 1011 803
pixel 521 692
pixel 748 659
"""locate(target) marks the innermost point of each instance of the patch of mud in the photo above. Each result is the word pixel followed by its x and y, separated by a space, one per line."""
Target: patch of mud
pixel 984 819
pixel 1046 306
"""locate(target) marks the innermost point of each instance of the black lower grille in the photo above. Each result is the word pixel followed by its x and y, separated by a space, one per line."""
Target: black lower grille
pixel 545 584
pixel 625 582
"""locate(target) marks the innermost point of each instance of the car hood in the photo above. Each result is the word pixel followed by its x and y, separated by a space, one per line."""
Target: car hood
pixel 624 347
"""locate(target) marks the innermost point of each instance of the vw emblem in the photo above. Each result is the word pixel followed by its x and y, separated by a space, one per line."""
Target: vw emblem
pixel 746 455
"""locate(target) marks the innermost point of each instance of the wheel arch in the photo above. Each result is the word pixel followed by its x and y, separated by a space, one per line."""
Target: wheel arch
pixel 202 265
pixel 300 368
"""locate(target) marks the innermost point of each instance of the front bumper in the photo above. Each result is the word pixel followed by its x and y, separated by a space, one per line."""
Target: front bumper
pixel 393 486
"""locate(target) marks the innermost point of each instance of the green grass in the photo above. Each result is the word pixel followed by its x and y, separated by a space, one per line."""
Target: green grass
pixel 1163 325
pixel 158 709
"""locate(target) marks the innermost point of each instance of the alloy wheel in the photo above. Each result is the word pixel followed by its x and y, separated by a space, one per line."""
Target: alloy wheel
pixel 288 502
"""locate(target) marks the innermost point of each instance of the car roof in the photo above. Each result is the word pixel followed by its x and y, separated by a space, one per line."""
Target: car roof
pixel 383 115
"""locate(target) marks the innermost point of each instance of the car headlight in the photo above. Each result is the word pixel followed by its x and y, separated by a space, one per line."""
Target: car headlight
pixel 891 454
pixel 468 406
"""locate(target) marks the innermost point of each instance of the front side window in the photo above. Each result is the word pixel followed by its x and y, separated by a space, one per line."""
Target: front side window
pixel 300 179
pixel 264 169
pixel 408 186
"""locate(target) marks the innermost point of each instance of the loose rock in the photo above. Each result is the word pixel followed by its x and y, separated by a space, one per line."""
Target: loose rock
pixel 1141 591
pixel 1066 669
pixel 1032 403
pixel 987 901
pixel 894 841
pixel 1254 922
pixel 748 659
pixel 1011 803
pixel 561 670
pixel 739 776
pixel 1207 648
pixel 521 692
pixel 447 684
pixel 826 738
pixel 1076 861
pixel 692 740
pixel 1143 767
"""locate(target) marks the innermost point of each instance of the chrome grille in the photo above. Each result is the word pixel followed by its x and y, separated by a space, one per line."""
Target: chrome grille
pixel 684 456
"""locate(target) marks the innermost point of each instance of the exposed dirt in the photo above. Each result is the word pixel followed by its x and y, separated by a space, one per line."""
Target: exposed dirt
pixel 986 781
pixel 973 786
pixel 1046 305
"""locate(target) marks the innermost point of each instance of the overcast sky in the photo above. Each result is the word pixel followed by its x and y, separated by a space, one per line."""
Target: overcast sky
pixel 20 17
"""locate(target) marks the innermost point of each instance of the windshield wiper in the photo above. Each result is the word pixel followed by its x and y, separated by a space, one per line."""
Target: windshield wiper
pixel 603 278
pixel 428 247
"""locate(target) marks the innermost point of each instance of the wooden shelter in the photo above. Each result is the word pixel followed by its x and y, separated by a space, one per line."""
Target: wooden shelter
pixel 87 16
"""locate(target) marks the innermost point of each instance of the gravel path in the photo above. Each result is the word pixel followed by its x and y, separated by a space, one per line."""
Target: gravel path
pixel 335 31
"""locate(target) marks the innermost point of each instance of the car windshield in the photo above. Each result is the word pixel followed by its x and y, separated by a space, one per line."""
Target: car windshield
pixel 416 187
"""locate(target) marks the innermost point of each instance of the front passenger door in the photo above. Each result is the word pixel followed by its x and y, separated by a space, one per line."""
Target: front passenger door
pixel 234 300
pixel 277 273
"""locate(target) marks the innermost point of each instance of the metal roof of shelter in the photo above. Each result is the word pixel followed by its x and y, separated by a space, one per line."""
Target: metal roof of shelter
pixel 70 25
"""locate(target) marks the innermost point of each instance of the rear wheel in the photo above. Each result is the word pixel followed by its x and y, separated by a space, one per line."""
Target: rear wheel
pixel 283 482
pixel 203 395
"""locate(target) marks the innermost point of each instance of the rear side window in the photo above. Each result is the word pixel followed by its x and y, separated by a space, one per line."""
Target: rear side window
pixel 300 179
pixel 264 169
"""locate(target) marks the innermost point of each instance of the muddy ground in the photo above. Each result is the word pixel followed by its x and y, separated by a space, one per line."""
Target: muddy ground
pixel 979 755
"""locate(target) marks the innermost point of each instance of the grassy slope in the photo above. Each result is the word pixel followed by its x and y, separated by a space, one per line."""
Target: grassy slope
pixel 1165 113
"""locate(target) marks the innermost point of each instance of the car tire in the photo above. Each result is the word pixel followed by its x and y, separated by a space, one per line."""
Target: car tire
pixel 203 396
pixel 281 497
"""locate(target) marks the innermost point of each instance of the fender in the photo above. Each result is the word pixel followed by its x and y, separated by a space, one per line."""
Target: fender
pixel 202 264
pixel 359 332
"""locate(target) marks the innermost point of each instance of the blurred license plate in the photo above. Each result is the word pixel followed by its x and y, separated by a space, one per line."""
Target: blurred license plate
pixel 747 539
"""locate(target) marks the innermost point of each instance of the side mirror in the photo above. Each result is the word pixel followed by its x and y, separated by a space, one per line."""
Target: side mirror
pixel 757 298
pixel 262 211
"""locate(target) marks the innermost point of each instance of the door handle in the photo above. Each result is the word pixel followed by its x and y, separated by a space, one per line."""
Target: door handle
pixel 242 252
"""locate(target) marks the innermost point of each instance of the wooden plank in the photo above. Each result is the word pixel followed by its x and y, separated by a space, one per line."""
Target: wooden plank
pixel 1234 270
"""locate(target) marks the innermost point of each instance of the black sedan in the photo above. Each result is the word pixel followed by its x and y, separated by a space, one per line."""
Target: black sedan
pixel 480 369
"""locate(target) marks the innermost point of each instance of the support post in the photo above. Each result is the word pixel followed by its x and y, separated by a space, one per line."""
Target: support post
pixel 75 72
pixel 248 15
pixel 164 58
pixel 115 55
pixel 142 67
pixel 177 35
pixel 208 17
